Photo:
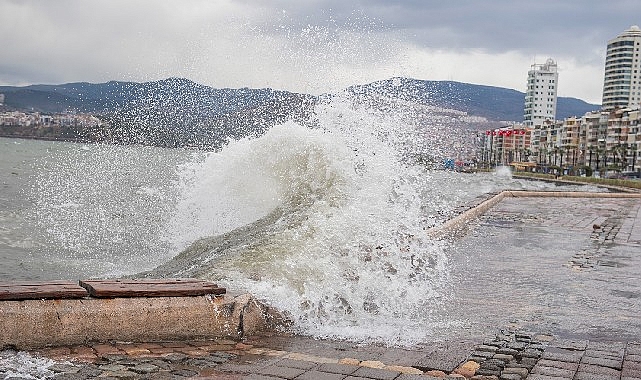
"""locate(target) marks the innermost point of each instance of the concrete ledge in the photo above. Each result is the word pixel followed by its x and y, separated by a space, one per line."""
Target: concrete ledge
pixel 457 224
pixel 568 194
pixel 562 181
pixel 32 324
pixel 451 226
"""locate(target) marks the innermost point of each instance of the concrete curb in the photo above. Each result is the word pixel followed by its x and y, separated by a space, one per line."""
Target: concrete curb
pixel 562 181
pixel 30 324
pixel 457 224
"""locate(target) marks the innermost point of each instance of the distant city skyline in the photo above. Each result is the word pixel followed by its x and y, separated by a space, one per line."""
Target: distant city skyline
pixel 311 47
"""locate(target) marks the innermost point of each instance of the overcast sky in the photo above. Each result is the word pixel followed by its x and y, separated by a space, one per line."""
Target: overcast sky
pixel 311 46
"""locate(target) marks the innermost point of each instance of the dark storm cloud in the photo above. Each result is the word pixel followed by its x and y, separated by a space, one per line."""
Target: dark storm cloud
pixel 493 25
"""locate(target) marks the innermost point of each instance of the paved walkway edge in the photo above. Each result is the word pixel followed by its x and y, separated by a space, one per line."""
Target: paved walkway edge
pixel 457 223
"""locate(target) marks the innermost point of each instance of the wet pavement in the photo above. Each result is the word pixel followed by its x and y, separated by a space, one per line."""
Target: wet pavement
pixel 570 267
pixel 541 289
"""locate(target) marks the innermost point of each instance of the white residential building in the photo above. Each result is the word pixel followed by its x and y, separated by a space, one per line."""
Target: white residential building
pixel 540 97
pixel 622 82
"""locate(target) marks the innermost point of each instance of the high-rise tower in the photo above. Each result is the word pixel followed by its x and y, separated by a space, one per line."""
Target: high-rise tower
pixel 622 82
pixel 540 98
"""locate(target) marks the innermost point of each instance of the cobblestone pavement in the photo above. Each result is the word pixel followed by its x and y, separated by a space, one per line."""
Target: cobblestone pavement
pixel 507 356
pixel 553 292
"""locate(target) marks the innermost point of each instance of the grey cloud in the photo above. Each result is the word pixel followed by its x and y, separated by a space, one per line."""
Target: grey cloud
pixel 265 42
pixel 495 26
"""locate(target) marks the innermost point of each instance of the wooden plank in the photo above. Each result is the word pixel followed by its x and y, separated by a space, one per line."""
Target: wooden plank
pixel 26 290
pixel 170 287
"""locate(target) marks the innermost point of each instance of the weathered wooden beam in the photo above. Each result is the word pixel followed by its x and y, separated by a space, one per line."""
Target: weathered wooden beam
pixel 172 287
pixel 41 290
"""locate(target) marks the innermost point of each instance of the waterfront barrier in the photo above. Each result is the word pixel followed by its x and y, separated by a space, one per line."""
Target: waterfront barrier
pixel 56 313
pixel 456 225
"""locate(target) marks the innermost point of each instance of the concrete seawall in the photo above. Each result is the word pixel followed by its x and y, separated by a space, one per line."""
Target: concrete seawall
pixel 457 224
pixel 36 323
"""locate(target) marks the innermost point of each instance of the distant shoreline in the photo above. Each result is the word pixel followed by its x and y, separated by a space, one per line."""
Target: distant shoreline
pixel 63 139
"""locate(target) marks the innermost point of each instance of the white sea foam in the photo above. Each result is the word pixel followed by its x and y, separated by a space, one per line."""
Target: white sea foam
pixel 22 365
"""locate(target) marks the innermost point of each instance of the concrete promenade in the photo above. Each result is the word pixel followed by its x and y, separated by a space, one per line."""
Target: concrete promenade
pixel 578 258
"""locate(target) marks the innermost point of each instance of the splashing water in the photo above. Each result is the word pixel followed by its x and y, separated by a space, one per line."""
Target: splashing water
pixel 327 224
pixel 22 365
pixel 503 171
pixel 100 210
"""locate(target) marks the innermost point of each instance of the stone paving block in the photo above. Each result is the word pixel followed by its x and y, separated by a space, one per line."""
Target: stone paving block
pixel 405 370
pixel 614 354
pixel 318 375
pixel 144 368
pixel 173 344
pixel 603 362
pixel 245 366
pixel 309 358
pixel 522 372
pixel 558 364
pixel 606 346
pixel 343 369
pixel 598 370
pixel 486 348
pixel 519 346
pixel 544 377
pixel 255 376
pixel 553 371
pixel 160 351
pixel 484 354
pixel 503 357
pixel 102 349
pixel 282 372
pixel 594 376
pixel 570 344
pixel 416 377
pixel 529 362
pixel 82 350
pixel 488 372
pixel 632 358
pixel 372 364
pixel 563 355
pixel 375 373
pixel 507 351
pixel 402 357
pixel 631 373
pixel 632 365
pixel 531 353
pixel 296 364
pixel 443 361
pixel 216 347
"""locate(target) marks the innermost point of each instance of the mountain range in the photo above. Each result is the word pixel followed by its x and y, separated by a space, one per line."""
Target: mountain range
pixel 178 111
pixel 493 103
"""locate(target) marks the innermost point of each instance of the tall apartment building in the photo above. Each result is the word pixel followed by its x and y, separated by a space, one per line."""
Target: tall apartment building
pixel 622 82
pixel 540 97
